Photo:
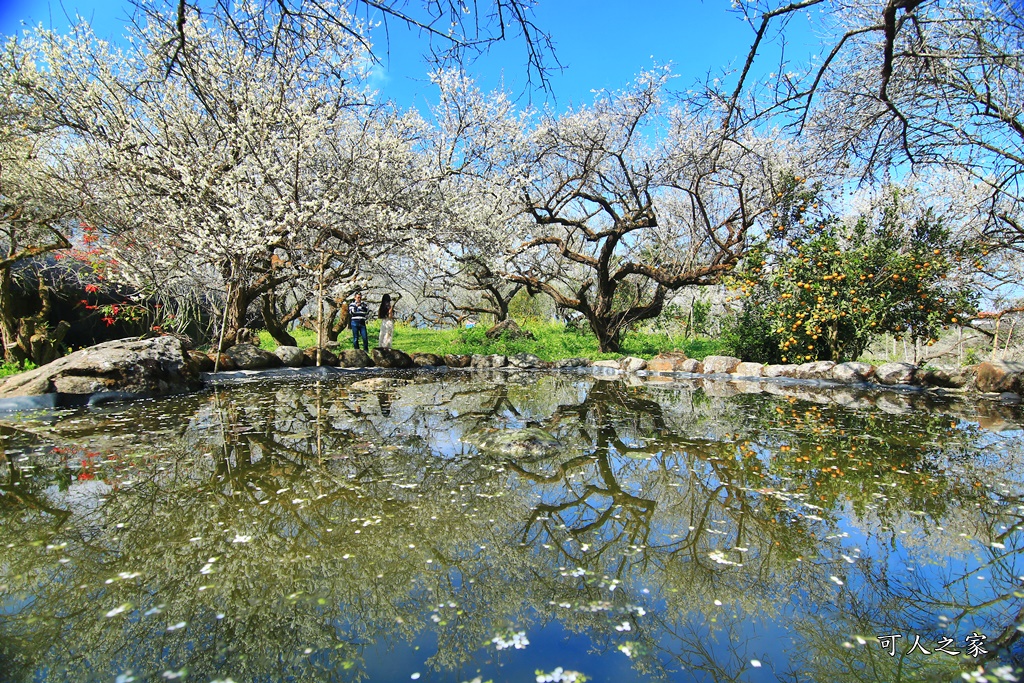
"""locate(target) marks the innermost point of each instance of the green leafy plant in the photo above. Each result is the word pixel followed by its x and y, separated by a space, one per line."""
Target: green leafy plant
pixel 822 290
pixel 13 367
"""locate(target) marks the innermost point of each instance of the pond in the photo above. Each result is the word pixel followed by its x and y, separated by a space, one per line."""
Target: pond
pixel 475 526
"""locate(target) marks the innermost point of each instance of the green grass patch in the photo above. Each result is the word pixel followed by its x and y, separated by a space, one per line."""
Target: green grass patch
pixel 305 338
pixel 552 341
pixel 9 368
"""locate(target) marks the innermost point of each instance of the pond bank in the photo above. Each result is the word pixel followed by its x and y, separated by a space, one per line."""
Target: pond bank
pixel 145 368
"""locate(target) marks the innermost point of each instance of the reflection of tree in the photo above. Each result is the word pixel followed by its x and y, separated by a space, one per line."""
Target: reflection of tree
pixel 322 514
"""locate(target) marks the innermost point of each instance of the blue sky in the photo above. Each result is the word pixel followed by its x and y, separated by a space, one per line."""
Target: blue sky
pixel 601 43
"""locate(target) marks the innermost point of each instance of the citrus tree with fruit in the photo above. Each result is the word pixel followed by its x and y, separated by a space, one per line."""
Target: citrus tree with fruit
pixel 822 288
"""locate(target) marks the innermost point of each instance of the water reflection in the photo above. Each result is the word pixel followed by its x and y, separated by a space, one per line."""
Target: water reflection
pixel 325 531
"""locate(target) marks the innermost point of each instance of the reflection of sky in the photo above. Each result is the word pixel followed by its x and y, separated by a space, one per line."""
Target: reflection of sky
pixel 468 512
pixel 81 497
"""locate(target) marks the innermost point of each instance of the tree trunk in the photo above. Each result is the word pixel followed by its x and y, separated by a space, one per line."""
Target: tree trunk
pixel 271 323
pixel 237 304
pixel 607 336
pixel 29 337
pixel 14 352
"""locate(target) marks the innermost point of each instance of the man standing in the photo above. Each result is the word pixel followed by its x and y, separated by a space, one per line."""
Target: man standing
pixel 357 312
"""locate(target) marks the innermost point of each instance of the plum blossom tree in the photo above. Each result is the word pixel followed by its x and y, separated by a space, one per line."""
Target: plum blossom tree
pixel 455 31
pixel 630 198
pixel 912 84
pixel 238 167
pixel 40 176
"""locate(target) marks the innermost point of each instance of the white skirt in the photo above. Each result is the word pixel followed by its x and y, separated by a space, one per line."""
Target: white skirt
pixel 387 329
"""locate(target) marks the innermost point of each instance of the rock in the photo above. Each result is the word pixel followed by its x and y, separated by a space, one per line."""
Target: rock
pixel 378 384
pixel 606 364
pixel 485 362
pixel 780 370
pixel 893 404
pixel 291 356
pixel 691 365
pixel 249 357
pixel 354 358
pixel 1000 376
pixel 326 357
pixel 572 363
pixel 749 370
pixel 510 328
pixel 391 358
pixel 76 384
pixel 427 360
pixel 672 361
pixel 632 364
pixel 527 361
pixel 222 362
pixel 896 373
pixel 720 388
pixel 202 361
pixel 949 379
pixel 714 365
pixel 153 367
pixel 1009 398
pixel 515 442
pixel 820 369
pixel 455 360
pixel 853 373
pixel 247 336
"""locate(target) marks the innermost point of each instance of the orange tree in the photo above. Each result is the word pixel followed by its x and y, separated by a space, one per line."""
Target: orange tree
pixel 819 288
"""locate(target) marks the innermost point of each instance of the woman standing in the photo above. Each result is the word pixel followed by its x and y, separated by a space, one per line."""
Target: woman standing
pixel 386 313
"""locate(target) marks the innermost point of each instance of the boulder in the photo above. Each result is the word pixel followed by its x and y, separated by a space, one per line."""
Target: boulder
pixel 1001 376
pixel 853 373
pixel 780 370
pixel 222 362
pixel 531 441
pixel 247 336
pixel 391 358
pixel 632 364
pixel 456 360
pixel 249 357
pixel 202 361
pixel 510 328
pixel 378 384
pixel 749 370
pixel 354 358
pixel 427 360
pixel 819 369
pixel 671 361
pixel 692 365
pixel 527 361
pixel 152 367
pixel 485 362
pixel 949 379
pixel 572 363
pixel 896 373
pixel 326 357
pixel 606 364
pixel 291 356
pixel 714 365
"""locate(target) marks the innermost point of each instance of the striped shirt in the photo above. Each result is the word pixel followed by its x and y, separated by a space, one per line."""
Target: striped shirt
pixel 357 312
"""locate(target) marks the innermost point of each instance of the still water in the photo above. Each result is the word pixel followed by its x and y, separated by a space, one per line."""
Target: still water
pixel 532 527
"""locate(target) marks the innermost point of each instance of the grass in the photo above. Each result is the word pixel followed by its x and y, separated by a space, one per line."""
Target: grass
pixel 9 368
pixel 553 341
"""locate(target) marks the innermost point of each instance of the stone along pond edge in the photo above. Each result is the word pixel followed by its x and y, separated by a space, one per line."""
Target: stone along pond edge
pixel 146 368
